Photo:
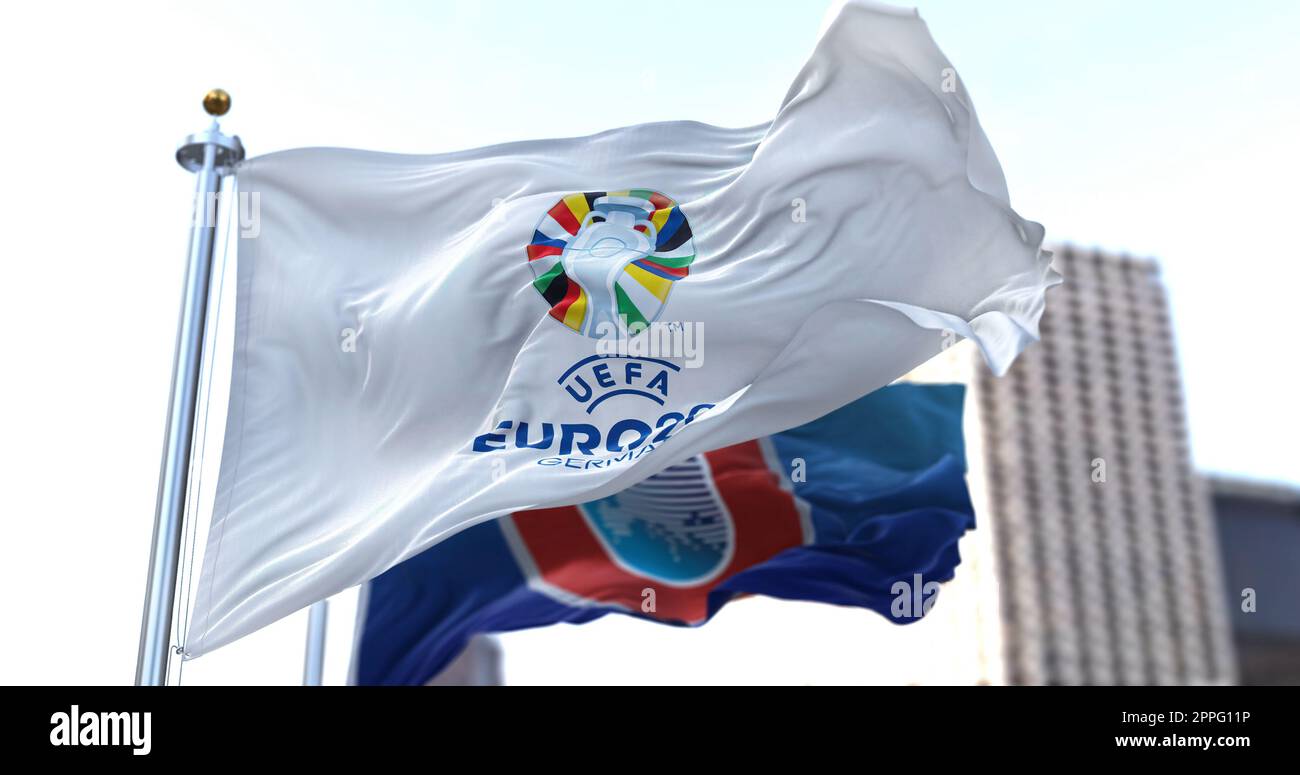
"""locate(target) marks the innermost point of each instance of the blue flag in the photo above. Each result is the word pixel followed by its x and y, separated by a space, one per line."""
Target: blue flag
pixel 847 509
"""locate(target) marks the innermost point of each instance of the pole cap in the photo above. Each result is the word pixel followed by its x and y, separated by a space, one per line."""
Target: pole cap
pixel 217 102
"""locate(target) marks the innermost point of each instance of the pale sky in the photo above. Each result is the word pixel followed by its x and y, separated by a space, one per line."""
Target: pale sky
pixel 1162 129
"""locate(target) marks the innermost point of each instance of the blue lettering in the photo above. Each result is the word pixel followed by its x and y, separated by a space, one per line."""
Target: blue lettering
pixel 660 383
pixel 614 444
pixel 481 443
pixel 584 397
pixel 548 436
pixel 568 431
pixel 696 410
pixel 676 419
pixel 585 439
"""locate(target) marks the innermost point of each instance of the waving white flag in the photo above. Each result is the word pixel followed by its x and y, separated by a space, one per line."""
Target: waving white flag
pixel 427 342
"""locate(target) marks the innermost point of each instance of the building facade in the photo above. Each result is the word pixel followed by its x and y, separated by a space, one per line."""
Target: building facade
pixel 1100 535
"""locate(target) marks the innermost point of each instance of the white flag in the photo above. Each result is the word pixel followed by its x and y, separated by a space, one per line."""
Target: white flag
pixel 426 342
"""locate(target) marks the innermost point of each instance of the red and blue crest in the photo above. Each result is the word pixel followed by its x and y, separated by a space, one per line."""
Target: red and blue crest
pixel 675 536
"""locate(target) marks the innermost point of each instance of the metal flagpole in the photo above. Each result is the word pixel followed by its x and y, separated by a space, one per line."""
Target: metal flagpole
pixel 313 667
pixel 211 156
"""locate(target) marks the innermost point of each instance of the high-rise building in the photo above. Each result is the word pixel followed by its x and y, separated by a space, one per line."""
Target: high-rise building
pixel 1107 564
pixel 1109 557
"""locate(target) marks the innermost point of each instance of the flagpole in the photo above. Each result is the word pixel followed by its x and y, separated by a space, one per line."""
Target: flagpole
pixel 211 155
pixel 313 667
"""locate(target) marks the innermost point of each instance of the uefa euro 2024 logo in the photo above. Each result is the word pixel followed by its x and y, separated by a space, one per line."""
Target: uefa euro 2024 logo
pixel 606 261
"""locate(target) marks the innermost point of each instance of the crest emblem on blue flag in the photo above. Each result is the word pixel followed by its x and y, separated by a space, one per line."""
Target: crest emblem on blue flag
pixel 678 533
pixel 674 528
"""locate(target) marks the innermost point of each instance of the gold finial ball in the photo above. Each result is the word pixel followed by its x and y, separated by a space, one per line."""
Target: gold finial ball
pixel 216 102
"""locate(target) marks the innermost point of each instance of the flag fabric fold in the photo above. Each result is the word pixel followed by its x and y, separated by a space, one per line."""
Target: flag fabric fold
pixel 424 343
pixel 863 507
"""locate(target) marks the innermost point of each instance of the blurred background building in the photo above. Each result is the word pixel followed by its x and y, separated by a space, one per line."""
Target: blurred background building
pixel 478 665
pixel 1108 558
pixel 1259 533
pixel 1115 561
